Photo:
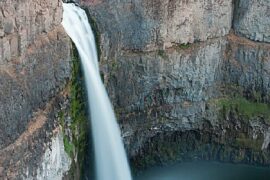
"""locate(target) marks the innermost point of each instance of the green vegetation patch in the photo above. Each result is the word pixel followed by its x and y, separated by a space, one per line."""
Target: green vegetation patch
pixel 69 147
pixel 78 107
pixel 75 132
pixel 184 46
pixel 61 116
pixel 245 107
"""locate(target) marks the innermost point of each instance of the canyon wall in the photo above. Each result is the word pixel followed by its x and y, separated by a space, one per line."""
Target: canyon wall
pixel 35 66
pixel 187 77
pixel 251 19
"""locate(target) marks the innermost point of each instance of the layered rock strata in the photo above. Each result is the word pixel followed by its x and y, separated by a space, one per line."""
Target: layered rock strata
pixel 188 79
pixel 251 19
pixel 179 78
pixel 35 66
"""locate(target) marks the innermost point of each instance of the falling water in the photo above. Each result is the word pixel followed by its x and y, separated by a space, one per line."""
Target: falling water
pixel 110 157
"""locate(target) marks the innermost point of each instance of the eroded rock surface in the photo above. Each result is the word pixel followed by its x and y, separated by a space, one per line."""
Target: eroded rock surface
pixel 252 19
pixel 29 81
pixel 22 22
pixel 248 65
pixel 38 153
pixel 166 90
pixel 35 66
pixel 147 25
pixel 180 82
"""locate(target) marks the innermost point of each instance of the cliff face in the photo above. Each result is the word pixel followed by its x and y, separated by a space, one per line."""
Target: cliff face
pixel 186 77
pixel 251 19
pixel 150 25
pixel 189 75
pixel 34 50
pixel 35 65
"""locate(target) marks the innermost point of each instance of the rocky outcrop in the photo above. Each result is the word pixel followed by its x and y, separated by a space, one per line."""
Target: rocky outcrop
pixel 35 66
pixel 181 83
pixel 252 19
pixel 168 87
pixel 165 89
pixel 39 149
pixel 55 162
pixel 248 66
pixel 31 80
pixel 35 61
pixel 150 25
pixel 22 22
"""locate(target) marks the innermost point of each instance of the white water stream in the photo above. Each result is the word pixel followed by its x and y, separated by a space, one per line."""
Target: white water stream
pixel 110 156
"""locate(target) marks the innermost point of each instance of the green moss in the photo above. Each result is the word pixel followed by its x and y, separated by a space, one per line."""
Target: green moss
pixel 69 147
pixel 184 46
pixel 76 140
pixel 79 122
pixel 61 119
pixel 245 107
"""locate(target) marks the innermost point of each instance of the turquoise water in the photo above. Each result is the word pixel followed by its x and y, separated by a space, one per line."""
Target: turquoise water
pixel 206 171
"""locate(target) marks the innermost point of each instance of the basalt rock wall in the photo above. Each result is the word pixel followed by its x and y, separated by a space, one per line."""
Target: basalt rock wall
pixel 172 68
pixel 35 66
pixel 186 77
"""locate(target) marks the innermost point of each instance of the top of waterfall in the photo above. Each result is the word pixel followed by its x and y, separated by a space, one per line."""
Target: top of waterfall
pixel 76 2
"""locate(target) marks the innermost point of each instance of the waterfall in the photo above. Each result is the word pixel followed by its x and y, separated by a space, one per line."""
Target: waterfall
pixel 110 157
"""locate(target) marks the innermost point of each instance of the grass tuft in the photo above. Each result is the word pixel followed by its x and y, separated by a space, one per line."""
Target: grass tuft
pixel 184 46
pixel 245 107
